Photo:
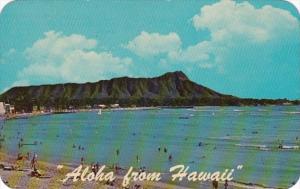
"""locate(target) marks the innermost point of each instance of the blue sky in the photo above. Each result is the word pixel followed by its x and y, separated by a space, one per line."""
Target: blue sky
pixel 243 48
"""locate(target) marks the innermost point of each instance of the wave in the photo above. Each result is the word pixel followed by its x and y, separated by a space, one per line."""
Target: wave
pixel 286 147
pixel 267 148
pixel 263 146
pixel 262 110
pixel 239 137
pixel 292 112
pixel 206 110
pixel 221 138
pixel 238 110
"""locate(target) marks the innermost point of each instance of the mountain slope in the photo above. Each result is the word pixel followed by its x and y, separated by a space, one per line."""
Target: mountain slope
pixel 172 89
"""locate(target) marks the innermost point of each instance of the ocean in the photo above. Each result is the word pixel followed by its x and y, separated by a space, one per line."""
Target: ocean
pixel 203 138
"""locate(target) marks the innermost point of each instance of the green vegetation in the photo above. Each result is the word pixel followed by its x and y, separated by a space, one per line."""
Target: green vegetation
pixel 170 89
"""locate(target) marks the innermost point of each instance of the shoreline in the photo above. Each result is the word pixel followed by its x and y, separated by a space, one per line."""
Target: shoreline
pixel 39 113
pixel 143 108
pixel 53 174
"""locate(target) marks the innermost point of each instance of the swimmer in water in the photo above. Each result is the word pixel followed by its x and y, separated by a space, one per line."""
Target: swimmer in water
pixel 170 157
pixel 200 144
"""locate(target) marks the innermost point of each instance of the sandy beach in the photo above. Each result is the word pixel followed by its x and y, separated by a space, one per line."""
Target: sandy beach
pixel 52 176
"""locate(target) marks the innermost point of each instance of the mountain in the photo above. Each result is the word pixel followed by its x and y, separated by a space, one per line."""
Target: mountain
pixel 170 89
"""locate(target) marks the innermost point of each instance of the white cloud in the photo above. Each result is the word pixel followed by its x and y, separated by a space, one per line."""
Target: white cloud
pixel 55 46
pixel 235 25
pixel 72 58
pixel 231 25
pixel 228 19
pixel 151 44
pixel 199 52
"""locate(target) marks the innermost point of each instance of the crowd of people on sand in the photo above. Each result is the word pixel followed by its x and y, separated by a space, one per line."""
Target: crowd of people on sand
pixel 215 184
pixel 34 172
pixel 33 163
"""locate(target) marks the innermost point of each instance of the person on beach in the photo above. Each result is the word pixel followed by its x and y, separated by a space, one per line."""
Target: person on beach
pixel 97 166
pixel 117 168
pixel 226 184
pixel 93 167
pixel 19 156
pixel 215 184
pixel 81 160
pixel 35 173
pixel 33 161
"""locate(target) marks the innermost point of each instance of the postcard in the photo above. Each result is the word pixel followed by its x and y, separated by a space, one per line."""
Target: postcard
pixel 144 94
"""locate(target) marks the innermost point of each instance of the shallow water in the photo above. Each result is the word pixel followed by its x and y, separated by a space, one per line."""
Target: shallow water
pixel 229 136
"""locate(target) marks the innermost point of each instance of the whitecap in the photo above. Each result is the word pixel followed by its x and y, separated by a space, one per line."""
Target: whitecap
pixel 262 146
pixel 286 112
pixel 286 147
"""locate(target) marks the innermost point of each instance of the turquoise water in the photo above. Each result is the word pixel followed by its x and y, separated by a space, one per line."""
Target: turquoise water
pixel 229 136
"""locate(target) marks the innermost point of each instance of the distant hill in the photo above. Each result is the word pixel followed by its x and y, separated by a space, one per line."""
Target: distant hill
pixel 170 89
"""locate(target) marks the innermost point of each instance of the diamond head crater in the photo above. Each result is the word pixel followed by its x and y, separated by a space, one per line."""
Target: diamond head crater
pixel 172 89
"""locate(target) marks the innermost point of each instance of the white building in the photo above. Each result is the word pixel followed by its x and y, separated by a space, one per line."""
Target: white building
pixel 114 105
pixel 2 108
pixel 102 106
pixel 6 108
pixel 12 109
